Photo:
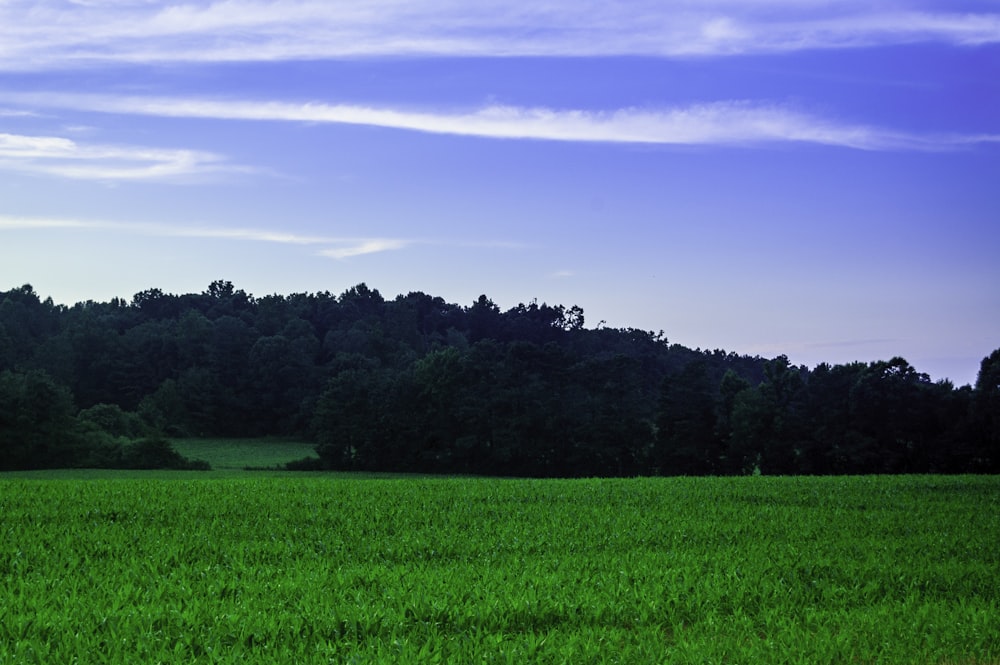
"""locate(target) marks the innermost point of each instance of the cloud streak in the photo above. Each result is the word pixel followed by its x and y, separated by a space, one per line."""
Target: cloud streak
pixel 49 34
pixel 16 113
pixel 335 247
pixel 63 157
pixel 369 246
pixel 720 123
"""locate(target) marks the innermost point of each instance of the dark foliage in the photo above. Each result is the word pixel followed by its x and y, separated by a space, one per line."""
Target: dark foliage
pixel 37 424
pixel 418 384
pixel 156 453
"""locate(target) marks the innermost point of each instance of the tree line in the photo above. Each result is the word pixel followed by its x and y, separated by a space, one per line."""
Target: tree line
pixel 419 384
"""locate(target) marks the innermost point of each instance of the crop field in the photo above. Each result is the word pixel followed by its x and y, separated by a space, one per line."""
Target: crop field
pixel 309 568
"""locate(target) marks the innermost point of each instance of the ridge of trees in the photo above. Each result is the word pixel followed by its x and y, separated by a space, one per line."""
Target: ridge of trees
pixel 419 384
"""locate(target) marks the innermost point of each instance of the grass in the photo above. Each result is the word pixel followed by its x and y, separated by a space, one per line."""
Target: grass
pixel 230 454
pixel 334 568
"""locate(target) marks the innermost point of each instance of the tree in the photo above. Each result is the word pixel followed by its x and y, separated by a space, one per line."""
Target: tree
pixel 730 387
pixel 888 411
pixel 113 421
pixel 484 319
pixel 362 302
pixel 37 425
pixel 834 446
pixel 986 415
pixel 440 408
pixel 352 422
pixel 785 392
pixel 26 321
pixel 280 374
pixel 768 423
pixel 953 445
pixel 608 416
pixel 166 410
pixel 7 349
pixel 751 428
pixel 417 382
pixel 155 304
pixel 193 339
pixel 686 423
pixel 223 299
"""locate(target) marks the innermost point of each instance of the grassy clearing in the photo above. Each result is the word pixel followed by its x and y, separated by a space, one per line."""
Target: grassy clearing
pixel 330 569
pixel 230 454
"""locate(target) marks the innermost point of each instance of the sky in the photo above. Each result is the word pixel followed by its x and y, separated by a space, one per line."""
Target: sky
pixel 814 178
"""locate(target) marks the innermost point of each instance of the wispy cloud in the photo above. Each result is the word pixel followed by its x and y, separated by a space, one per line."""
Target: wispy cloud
pixel 63 157
pixel 369 246
pixel 16 113
pixel 719 123
pixel 39 34
pixel 335 247
pixel 9 223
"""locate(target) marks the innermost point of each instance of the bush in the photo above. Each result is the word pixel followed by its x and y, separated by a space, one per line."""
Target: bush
pixel 157 453
pixel 307 464
pixel 112 419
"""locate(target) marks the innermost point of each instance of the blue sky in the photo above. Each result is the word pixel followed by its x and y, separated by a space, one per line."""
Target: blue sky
pixel 819 178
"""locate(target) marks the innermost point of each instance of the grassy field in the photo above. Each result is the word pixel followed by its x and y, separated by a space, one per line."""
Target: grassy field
pixel 312 568
pixel 229 454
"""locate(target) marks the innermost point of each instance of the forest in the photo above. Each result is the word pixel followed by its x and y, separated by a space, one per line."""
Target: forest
pixel 418 384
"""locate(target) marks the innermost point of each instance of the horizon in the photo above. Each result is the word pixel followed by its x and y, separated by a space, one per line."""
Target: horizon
pixel 815 180
pixel 588 325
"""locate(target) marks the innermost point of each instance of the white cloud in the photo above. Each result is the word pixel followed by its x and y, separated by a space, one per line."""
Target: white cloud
pixel 333 246
pixel 720 123
pixel 370 246
pixel 63 157
pixel 16 113
pixel 41 34
pixel 8 222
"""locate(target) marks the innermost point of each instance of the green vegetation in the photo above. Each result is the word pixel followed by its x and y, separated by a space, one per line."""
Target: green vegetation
pixel 328 569
pixel 230 454
pixel 419 384
pixel 39 428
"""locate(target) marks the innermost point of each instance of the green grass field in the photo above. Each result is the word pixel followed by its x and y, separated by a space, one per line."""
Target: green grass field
pixel 310 568
pixel 230 454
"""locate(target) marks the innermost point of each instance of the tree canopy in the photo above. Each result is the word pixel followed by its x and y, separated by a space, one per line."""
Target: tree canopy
pixel 419 384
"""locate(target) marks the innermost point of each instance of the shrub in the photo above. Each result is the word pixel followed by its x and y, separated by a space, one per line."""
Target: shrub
pixel 307 464
pixel 157 453
pixel 112 419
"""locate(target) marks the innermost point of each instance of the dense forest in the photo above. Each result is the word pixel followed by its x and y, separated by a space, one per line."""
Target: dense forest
pixel 419 384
